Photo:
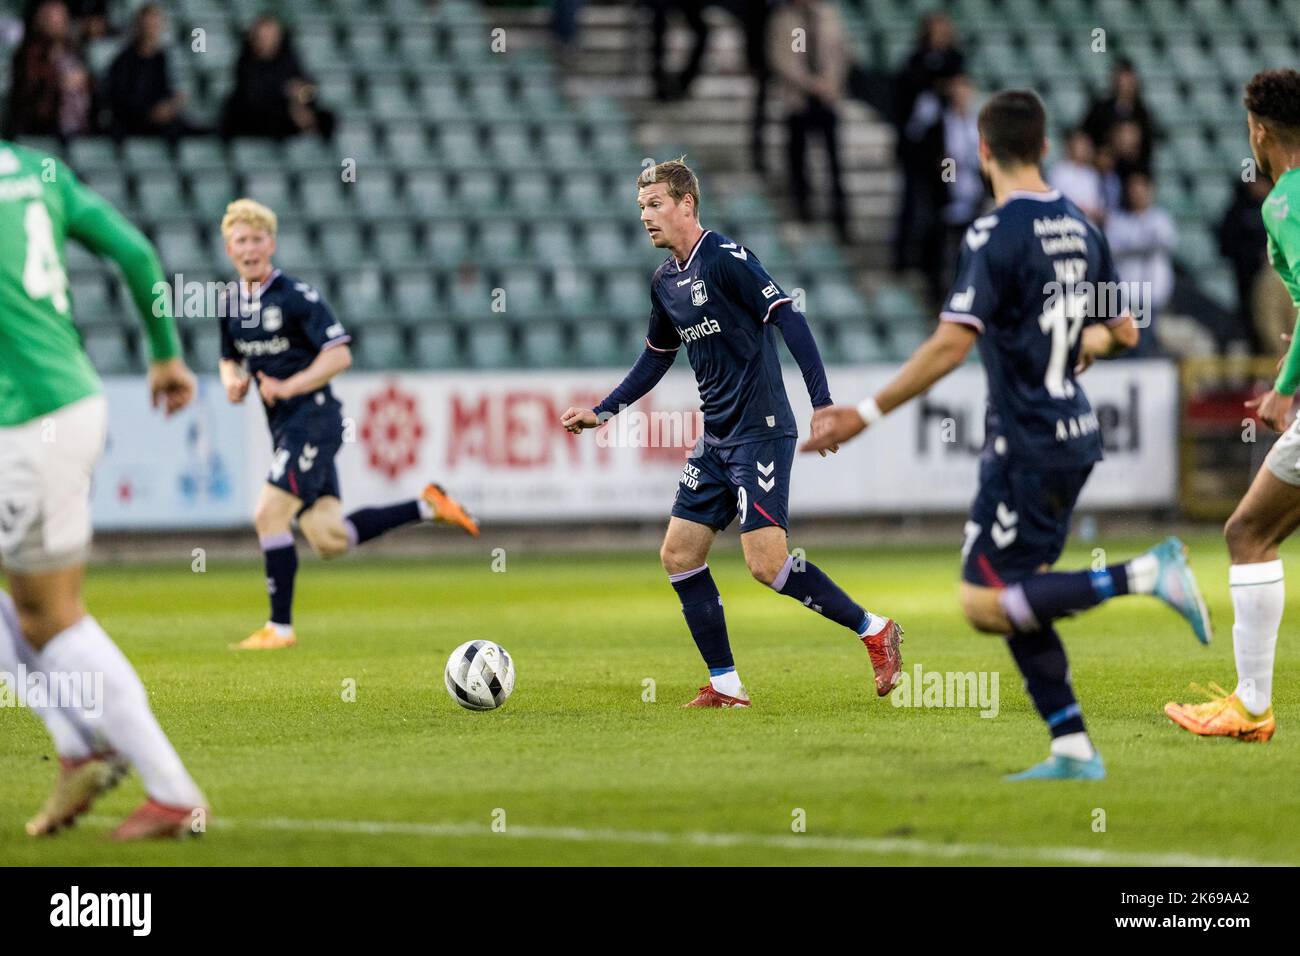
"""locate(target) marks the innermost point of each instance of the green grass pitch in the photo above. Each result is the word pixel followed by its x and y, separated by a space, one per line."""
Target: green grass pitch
pixel 581 769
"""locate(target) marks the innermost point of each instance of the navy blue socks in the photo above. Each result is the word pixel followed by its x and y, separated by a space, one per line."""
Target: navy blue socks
pixel 281 559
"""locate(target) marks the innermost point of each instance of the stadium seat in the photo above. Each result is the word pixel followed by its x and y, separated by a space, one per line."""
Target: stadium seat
pixel 204 347
pixel 179 247
pixel 499 240
pixel 108 350
pixel 436 346
pixel 322 193
pixel 339 243
pixel 361 294
pixel 490 347
pixel 269 187
pixel 91 301
pixel 544 344
pixel 294 245
pixel 448 242
pixel 251 154
pixel 395 242
pixel 91 153
pixel 210 192
pixel 415 297
pixel 161 196
pixel 380 347
pixel 204 153
pixel 599 343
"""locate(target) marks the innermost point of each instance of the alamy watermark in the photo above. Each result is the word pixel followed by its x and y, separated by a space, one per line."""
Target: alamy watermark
pixel 948 689
pixel 74 690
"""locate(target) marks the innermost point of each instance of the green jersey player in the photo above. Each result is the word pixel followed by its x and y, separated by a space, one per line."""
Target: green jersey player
pixel 52 431
pixel 1270 511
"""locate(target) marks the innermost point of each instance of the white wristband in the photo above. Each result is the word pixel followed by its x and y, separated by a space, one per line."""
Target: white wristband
pixel 870 411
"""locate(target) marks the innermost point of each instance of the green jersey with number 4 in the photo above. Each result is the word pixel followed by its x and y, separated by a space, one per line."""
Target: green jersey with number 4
pixel 43 366
pixel 1281 213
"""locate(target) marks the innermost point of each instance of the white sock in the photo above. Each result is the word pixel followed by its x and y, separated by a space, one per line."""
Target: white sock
pixel 1258 598
pixel 16 654
pixel 875 624
pixel 284 630
pixel 1076 745
pixel 126 723
pixel 426 509
pixel 729 684
pixel 1142 572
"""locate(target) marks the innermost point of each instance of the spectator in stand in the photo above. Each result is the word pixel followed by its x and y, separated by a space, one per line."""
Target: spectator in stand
pixel 141 97
pixel 920 89
pixel 754 16
pixel 52 93
pixel 810 62
pixel 1142 239
pixel 966 192
pixel 1078 178
pixel 89 19
pixel 666 86
pixel 1124 103
pixel 1264 307
pixel 273 95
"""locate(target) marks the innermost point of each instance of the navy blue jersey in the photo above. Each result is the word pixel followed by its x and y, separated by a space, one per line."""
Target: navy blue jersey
pixel 1026 281
pixel 718 303
pixel 280 332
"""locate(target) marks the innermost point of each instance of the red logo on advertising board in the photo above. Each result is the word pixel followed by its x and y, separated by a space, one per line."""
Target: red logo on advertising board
pixel 392 431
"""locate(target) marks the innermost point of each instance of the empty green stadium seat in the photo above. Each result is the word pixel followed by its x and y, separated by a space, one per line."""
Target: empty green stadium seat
pixel 91 302
pixel 179 247
pixel 490 346
pixel 108 350
pixel 361 294
pixel 294 245
pixel 269 187
pixel 380 346
pixel 210 192
pixel 414 296
pixel 395 242
pixel 544 344
pixel 91 153
pixel 203 352
pixel 436 346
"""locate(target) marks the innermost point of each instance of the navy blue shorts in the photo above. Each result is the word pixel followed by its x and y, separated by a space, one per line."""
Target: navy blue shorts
pixel 752 480
pixel 303 460
pixel 1019 521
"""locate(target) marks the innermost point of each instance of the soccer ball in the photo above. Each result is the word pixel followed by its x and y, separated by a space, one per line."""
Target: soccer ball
pixel 480 675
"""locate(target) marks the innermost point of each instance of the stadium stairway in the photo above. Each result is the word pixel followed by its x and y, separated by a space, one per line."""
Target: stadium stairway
pixel 712 126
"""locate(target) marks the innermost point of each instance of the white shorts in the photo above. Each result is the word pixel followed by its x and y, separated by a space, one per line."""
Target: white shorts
pixel 1284 457
pixel 45 469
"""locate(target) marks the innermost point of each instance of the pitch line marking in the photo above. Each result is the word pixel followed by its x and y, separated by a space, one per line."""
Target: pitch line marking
pixel 874 846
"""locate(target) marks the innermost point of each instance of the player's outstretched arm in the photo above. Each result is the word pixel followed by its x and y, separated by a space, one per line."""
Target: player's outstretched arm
pixel 644 375
pixel 938 355
pixel 93 222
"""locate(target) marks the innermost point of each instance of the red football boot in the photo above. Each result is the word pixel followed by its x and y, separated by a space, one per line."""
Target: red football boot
pixel 885 657
pixel 155 821
pixel 708 697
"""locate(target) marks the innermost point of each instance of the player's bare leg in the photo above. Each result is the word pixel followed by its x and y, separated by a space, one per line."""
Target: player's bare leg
pixel 272 518
pixel 767 553
pixel 98 738
pixel 684 556
pixel 1267 515
pixel 323 526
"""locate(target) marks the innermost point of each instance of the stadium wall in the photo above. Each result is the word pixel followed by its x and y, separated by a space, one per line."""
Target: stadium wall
pixel 494 438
